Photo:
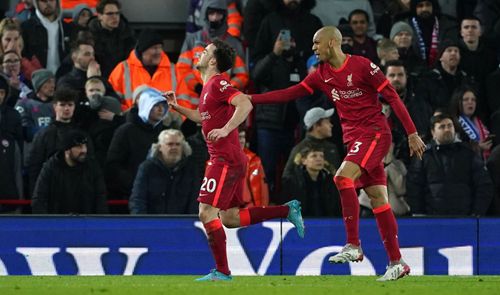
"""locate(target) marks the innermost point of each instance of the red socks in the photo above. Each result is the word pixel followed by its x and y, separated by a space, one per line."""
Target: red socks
pixel 255 215
pixel 388 228
pixel 350 208
pixel 217 243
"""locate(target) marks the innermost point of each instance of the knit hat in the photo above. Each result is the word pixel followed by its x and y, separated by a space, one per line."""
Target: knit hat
pixel 39 77
pixel 312 61
pixel 400 27
pixel 73 138
pixel 445 44
pixel 147 39
pixel 315 114
pixel 98 102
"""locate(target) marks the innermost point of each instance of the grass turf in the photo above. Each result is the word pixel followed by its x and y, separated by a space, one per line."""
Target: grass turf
pixel 341 285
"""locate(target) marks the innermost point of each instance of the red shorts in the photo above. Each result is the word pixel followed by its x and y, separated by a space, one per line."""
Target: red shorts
pixel 368 151
pixel 222 185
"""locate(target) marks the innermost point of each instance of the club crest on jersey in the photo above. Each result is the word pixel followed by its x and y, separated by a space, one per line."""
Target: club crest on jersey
pixel 224 85
pixel 349 80
pixel 375 68
pixel 335 95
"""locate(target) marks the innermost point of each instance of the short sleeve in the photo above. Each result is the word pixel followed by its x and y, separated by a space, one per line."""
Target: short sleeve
pixel 225 90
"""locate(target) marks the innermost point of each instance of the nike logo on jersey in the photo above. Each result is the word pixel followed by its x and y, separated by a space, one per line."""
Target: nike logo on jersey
pixel 326 81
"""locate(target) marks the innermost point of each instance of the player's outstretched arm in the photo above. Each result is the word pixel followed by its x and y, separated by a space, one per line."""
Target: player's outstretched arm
pixel 281 96
pixel 192 115
pixel 243 106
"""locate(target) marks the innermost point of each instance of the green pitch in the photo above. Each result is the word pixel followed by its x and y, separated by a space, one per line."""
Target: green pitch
pixel 332 285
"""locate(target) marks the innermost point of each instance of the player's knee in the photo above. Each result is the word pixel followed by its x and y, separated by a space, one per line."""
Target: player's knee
pixel 230 221
pixel 343 183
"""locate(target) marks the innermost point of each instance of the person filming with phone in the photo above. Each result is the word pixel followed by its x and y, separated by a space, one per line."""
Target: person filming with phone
pixel 282 48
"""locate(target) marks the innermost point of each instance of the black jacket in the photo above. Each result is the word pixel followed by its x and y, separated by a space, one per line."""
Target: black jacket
pixel 36 39
pixel 128 149
pixel 111 47
pixel 319 198
pixel 450 180
pixel 159 189
pixel 61 189
pixel 45 144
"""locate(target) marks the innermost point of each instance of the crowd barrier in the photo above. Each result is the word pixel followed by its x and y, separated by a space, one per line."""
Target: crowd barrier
pixel 162 245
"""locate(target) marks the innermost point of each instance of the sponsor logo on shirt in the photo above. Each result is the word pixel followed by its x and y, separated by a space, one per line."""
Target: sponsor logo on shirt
pixel 205 116
pixel 375 69
pixel 349 80
pixel 346 94
pixel 224 85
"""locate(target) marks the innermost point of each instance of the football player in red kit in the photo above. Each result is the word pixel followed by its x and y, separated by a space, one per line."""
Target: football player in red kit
pixel 353 83
pixel 221 110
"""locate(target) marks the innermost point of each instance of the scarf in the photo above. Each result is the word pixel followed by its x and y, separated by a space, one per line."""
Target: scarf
pixel 433 49
pixel 474 129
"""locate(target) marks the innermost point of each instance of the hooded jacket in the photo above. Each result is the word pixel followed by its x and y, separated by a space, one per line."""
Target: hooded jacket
pixel 130 145
pixel 35 37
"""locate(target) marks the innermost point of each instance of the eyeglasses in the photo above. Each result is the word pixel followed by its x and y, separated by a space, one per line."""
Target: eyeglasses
pixel 11 61
pixel 170 144
pixel 112 13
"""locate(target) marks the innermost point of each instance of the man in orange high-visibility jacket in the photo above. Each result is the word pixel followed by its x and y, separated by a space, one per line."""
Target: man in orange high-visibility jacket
pixel 147 64
pixel 190 84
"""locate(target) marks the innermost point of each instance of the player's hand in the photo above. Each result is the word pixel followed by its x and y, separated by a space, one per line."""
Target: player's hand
pixel 216 134
pixel 416 144
pixel 171 98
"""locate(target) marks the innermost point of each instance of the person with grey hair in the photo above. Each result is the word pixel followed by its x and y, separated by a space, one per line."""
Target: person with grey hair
pixel 165 183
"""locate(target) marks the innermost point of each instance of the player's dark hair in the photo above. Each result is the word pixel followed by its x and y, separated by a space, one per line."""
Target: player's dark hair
pixel 100 6
pixel 224 55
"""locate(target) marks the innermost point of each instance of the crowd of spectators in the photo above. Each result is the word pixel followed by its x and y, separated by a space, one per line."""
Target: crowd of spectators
pixel 83 120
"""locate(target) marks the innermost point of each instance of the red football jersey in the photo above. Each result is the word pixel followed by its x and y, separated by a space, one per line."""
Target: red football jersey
pixel 354 90
pixel 216 110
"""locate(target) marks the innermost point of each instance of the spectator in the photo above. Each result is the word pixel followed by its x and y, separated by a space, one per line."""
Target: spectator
pixel 23 11
pixel 311 184
pixel 36 110
pixel 387 50
pixel 319 132
pixel 396 11
pixel 492 90
pixel 195 19
pixel 131 142
pixel 49 140
pixel 146 65
pixel 363 44
pixel 278 64
pixel 165 183
pixel 45 35
pixel 70 182
pixel 477 57
pixel 11 68
pixel 347 38
pixel 100 116
pixel 190 83
pixel 451 179
pixel 464 105
pixel 402 34
pixel 200 151
pixel 419 109
pixel 430 28
pixel 253 14
pixel 396 187
pixel 114 39
pixel 80 19
pixel 255 189
pixel 11 39
pixel 436 86
pixel 11 139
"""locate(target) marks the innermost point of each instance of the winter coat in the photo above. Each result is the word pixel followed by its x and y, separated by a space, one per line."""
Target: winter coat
pixel 450 180
pixel 61 189
pixel 159 189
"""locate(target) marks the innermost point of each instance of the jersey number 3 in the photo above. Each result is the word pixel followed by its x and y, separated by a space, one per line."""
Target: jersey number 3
pixel 355 147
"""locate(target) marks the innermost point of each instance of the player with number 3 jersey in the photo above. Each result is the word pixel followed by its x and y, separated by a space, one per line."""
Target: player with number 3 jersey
pixel 353 83
pixel 221 110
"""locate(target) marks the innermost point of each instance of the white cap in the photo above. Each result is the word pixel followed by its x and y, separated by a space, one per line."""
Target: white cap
pixel 315 114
